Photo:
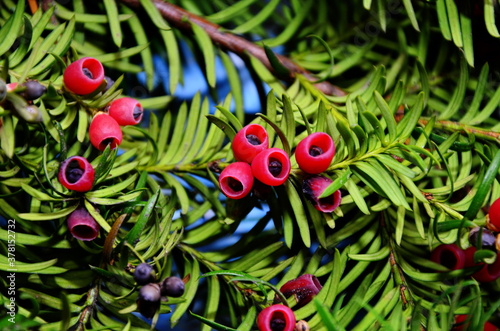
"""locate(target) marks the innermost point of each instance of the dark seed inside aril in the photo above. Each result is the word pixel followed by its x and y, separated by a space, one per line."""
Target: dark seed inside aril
pixel 137 112
pixel 315 151
pixel 108 141
pixel 448 259
pixel 73 172
pixel 88 73
pixel 253 139
pixel 234 184
pixel 275 167
pixel 83 231
pixel 329 200
pixel 277 324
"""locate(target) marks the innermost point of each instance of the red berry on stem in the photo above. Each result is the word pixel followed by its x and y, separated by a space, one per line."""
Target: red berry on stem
pixel 469 257
pixel 488 272
pixel 304 288
pixel 76 174
pixel 126 111
pixel 493 218
pixel 84 76
pixel 314 186
pixel 249 141
pixel 271 166
pixel 276 318
pixel 236 180
pixel 104 131
pixel 449 255
pixel 82 225
pixel 315 152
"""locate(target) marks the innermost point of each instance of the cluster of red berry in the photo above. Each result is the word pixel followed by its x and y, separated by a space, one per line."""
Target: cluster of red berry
pixel 152 293
pixel 255 161
pixel 280 317
pixel 454 257
pixel 86 77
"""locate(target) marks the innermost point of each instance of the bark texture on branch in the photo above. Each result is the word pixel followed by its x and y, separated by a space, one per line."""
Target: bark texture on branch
pixel 182 19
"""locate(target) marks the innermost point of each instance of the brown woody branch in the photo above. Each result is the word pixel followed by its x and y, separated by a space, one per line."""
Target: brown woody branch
pixel 182 19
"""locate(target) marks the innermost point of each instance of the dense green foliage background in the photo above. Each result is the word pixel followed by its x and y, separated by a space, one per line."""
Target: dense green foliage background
pixel 414 115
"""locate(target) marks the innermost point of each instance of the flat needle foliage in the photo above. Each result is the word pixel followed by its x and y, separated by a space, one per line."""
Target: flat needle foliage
pixel 408 90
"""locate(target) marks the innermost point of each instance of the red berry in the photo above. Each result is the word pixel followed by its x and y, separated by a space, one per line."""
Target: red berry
pixel 449 255
pixel 493 219
pixel 315 152
pixel 303 288
pixel 249 141
pixel 104 131
pixel 488 272
pixel 276 318
pixel 126 111
pixel 84 76
pixel 314 186
pixel 462 322
pixel 82 225
pixel 76 174
pixel 271 166
pixel 469 257
pixel 236 180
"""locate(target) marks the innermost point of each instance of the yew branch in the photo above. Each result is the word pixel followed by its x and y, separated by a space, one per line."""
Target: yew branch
pixel 182 19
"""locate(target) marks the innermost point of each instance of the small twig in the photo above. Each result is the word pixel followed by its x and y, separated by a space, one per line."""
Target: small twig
pixel 183 19
pixel 460 127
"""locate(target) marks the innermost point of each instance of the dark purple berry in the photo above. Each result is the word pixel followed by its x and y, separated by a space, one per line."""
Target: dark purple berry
pixel 148 300
pixel 172 287
pixel 144 274
pixel 482 237
pixel 33 90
